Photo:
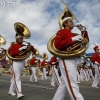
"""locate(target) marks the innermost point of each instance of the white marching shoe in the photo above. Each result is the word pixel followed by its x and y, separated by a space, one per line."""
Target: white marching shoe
pixel 31 80
pixel 78 82
pixel 46 78
pixel 19 95
pixel 52 85
pixel 95 86
pixel 36 81
pixel 11 93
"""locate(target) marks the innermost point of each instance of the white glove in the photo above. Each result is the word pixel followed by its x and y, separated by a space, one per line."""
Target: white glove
pixel 53 62
pixel 80 27
pixel 46 63
pixel 0 51
pixel 24 47
pixel 77 38
pixel 96 62
pixel 36 61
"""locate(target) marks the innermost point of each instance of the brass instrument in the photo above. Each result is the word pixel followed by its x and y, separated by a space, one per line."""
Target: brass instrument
pixel 2 40
pixel 37 63
pixel 10 61
pixel 74 50
pixel 45 56
pixel 66 13
pixel 46 65
pixel 36 53
pixel 3 51
pixel 23 31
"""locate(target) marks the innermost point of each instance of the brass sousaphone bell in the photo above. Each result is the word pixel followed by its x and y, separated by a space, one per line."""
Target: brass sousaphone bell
pixel 2 40
pixel 71 51
pixel 3 53
pixel 45 56
pixel 23 31
pixel 66 13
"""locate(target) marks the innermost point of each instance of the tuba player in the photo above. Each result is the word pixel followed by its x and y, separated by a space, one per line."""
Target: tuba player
pixel 33 64
pixel 68 67
pixel 17 66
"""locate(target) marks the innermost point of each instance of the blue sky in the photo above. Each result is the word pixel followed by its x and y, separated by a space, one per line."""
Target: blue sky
pixel 41 17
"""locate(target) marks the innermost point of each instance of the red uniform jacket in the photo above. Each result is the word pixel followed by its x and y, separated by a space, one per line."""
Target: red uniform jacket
pixel 53 59
pixel 95 57
pixel 33 62
pixel 64 38
pixel 44 63
pixel 14 49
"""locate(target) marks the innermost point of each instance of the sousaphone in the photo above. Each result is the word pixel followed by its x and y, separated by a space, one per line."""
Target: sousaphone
pixel 76 49
pixel 23 31
pixel 3 51
pixel 45 56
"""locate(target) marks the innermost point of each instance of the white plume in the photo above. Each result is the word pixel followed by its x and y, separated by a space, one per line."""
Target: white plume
pixel 96 44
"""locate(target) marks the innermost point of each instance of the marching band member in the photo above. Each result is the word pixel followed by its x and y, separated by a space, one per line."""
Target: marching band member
pixel 81 63
pixel 4 59
pixel 1 61
pixel 33 65
pixel 90 73
pixel 68 67
pixel 44 64
pixel 17 67
pixel 86 73
pixel 55 75
pixel 96 62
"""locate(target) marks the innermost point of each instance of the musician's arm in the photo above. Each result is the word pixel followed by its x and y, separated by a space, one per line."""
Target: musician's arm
pixel 62 40
pixel 14 50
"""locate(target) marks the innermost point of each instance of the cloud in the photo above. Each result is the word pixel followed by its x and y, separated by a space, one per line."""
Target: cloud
pixel 41 17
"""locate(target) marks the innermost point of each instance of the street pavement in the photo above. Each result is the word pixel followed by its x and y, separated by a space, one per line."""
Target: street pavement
pixel 42 89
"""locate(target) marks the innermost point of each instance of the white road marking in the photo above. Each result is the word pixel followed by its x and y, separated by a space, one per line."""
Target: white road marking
pixel 30 85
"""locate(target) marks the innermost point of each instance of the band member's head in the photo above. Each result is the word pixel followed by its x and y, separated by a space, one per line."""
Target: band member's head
pixel 33 56
pixel 19 39
pixel 67 22
pixel 96 49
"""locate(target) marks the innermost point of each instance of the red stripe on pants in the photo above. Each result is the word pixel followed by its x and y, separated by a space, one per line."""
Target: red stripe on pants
pixel 69 83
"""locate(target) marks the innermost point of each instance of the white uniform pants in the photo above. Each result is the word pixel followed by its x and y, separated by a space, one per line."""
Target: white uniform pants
pixel 17 68
pixel 55 76
pixel 33 75
pixel 68 71
pixel 91 74
pixel 86 74
pixel 96 79
pixel 44 76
